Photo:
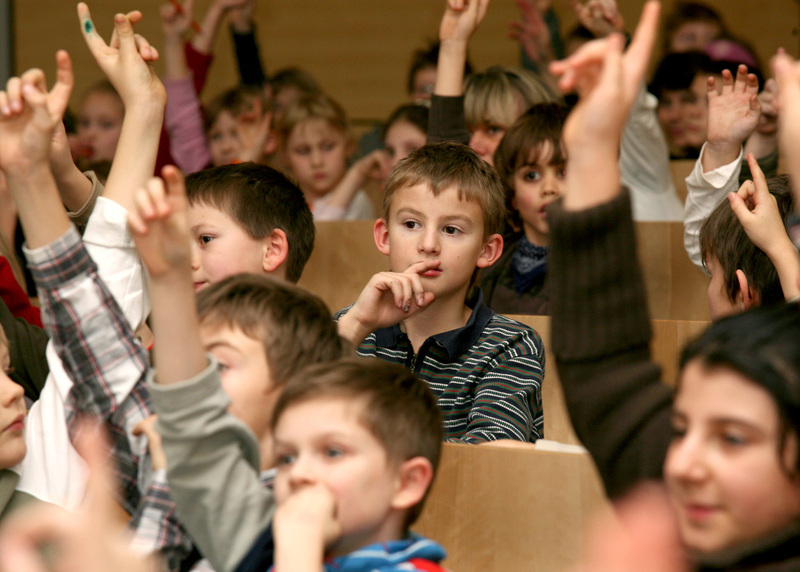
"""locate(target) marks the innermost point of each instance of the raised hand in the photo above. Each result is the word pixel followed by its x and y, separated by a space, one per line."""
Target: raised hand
pixel 600 17
pixel 733 114
pixel 768 122
pixel 461 19
pixel 607 82
pixel 532 33
pixel 125 61
pixel 159 225
pixel 29 115
pixel 175 22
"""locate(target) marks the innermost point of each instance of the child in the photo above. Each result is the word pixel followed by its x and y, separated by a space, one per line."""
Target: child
pixel 730 462
pixel 404 132
pixel 755 264
pixel 532 163
pixel 99 123
pixel 443 209
pixel 315 145
pixel 247 218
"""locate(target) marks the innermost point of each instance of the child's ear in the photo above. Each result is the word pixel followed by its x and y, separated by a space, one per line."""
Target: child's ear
pixel 413 480
pixel 746 297
pixel 381 233
pixel 276 250
pixel 491 251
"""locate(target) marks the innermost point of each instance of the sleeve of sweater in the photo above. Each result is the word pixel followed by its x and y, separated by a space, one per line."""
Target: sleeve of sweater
pixel 601 334
pixel 447 121
pixel 248 58
pixel 183 120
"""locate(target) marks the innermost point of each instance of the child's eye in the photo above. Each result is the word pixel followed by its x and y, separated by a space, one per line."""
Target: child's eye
pixel 302 150
pixel 107 125
pixel 495 130
pixel 222 367
pixel 452 230
pixel 284 459
pixel 333 452
pixel 205 239
pixel 411 224
pixel 532 176
pixel 733 439
pixel 328 146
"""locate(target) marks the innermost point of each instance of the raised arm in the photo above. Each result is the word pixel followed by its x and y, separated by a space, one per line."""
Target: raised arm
pixel 461 19
pixel 601 330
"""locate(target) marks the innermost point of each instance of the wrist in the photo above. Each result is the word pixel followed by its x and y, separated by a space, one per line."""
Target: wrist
pixel 718 154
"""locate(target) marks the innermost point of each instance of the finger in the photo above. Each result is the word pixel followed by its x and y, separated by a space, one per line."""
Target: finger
pixel 727 82
pixel 14 91
pixel 4 108
pixel 124 29
pixel 759 180
pixel 741 78
pixel 145 49
pixel 144 205
pixel 58 98
pixel 739 208
pixel 25 532
pixel 483 5
pixel 711 87
pixel 752 83
pixel 174 185
pixel 158 198
pixel 746 190
pixel 136 223
pixel 611 76
pixel 401 294
pixel 93 40
pixel 637 57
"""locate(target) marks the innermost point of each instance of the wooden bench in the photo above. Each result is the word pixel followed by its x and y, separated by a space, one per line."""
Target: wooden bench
pixel 500 508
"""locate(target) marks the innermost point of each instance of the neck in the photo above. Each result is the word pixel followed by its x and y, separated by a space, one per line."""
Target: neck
pixel 442 315
pixel 536 238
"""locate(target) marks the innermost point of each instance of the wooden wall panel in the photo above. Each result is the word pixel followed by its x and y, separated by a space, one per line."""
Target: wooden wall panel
pixel 359 49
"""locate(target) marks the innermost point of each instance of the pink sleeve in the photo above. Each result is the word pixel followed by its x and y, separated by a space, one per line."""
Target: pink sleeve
pixel 183 120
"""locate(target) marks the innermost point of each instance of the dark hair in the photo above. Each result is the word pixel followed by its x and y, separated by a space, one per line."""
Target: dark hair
pixel 427 57
pixel 415 114
pixel 762 345
pixel 236 101
pixel 296 78
pixel 260 199
pixel 294 325
pixel 399 409
pixel 723 237
pixel 539 126
pixel 684 12
pixel 677 71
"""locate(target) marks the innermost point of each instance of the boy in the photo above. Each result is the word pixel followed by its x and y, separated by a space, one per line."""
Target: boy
pixel 443 209
pixel 750 257
pixel 247 218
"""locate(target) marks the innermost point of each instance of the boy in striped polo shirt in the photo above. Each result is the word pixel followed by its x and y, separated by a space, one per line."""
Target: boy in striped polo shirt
pixel 443 210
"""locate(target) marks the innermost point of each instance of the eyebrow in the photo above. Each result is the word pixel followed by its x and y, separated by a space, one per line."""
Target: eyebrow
pixel 449 218
pixel 221 344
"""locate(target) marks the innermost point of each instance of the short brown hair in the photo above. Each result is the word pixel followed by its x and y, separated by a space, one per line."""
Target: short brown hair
pixel 723 237
pixel 501 94
pixel 294 325
pixel 399 410
pixel 260 199
pixel 311 106
pixel 445 165
pixel 235 101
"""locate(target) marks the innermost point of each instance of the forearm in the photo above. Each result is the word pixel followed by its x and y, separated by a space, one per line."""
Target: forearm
pixel 248 56
pixel 298 551
pixel 343 193
pixel 351 329
pixel 135 158
pixel 450 69
pixel 600 338
pixel 183 118
pixel 204 41
pixel 213 463
pixel 175 67
pixel 705 190
pixel 761 145
pixel 75 189
pixel 447 121
pixel 179 354
pixel 41 213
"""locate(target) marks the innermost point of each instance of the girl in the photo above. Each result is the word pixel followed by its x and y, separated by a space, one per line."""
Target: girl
pixel 99 124
pixel 315 144
pixel 531 161
pixel 405 131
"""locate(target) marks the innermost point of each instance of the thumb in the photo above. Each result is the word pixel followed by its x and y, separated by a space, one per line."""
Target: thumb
pixel 58 98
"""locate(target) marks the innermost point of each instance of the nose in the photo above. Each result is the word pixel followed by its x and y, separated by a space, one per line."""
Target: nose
pixel 195 249
pixel 550 184
pixel 429 241
pixel 301 473
pixel 686 460
pixel 316 157
pixel 10 391
pixel 478 142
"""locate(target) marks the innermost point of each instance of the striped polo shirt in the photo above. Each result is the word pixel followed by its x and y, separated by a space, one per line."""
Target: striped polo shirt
pixel 486 375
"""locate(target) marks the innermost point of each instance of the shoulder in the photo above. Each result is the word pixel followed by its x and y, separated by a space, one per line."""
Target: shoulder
pixel 512 335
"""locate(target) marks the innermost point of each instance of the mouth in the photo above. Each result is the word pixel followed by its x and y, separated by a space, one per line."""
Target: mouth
pixel 432 273
pixel 200 285
pixel 697 513
pixel 17 425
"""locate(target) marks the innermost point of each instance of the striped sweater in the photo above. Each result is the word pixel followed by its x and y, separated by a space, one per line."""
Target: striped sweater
pixel 487 375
